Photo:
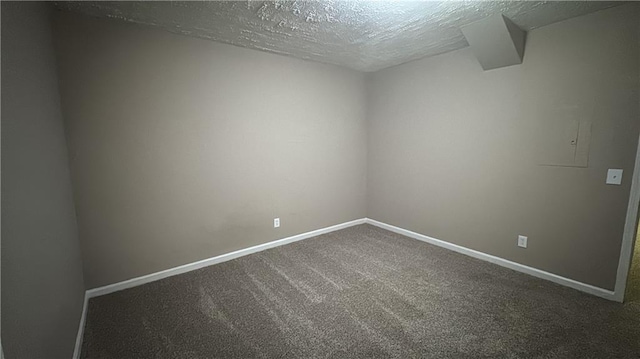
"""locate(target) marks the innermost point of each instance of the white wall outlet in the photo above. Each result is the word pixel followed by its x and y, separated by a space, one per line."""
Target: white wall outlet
pixel 276 222
pixel 522 241
pixel 614 176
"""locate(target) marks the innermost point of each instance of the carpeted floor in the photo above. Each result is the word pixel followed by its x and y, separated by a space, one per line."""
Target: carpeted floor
pixel 362 292
pixel 633 283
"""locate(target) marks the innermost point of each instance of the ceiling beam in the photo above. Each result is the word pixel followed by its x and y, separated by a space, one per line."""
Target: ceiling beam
pixel 496 41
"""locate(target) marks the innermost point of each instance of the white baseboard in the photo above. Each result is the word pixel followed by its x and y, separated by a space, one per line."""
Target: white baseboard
pixel 587 288
pixel 83 317
pixel 134 282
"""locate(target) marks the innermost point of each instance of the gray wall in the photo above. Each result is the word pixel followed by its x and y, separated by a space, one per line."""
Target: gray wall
pixel 42 285
pixel 183 149
pixel 453 150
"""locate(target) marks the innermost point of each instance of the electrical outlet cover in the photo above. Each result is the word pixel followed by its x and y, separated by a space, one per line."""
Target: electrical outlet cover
pixel 522 241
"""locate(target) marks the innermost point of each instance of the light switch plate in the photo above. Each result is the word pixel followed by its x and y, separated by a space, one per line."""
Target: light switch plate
pixel 614 176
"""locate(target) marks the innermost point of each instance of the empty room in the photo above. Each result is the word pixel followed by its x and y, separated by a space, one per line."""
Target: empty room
pixel 320 179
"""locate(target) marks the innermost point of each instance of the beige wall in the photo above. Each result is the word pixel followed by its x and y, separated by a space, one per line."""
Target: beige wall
pixel 42 285
pixel 183 149
pixel 453 149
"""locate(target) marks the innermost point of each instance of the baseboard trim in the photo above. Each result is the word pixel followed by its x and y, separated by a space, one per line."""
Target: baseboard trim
pixel 80 336
pixel 134 282
pixel 583 287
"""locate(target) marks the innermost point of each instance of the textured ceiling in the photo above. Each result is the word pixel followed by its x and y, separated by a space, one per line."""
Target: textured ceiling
pixel 362 35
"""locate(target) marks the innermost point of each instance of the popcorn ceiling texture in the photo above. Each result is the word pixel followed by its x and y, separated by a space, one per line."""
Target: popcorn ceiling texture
pixel 362 35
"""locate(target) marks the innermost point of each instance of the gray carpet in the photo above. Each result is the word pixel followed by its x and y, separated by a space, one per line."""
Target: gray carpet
pixel 633 283
pixel 362 292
